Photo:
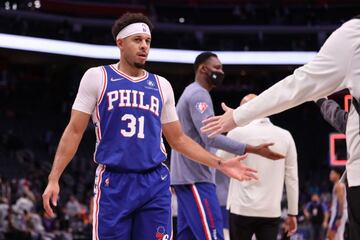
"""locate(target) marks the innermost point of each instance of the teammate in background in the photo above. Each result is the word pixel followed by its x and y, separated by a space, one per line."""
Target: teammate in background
pixel 255 207
pixel 130 108
pixel 337 117
pixel 199 214
pixel 338 216
pixel 330 71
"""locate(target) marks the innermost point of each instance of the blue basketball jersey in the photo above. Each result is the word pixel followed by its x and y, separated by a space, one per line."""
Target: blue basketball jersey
pixel 127 124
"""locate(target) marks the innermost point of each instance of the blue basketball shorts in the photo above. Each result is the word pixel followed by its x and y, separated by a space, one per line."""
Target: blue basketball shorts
pixel 199 214
pixel 132 205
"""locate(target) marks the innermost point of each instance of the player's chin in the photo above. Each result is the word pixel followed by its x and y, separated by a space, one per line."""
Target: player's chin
pixel 140 64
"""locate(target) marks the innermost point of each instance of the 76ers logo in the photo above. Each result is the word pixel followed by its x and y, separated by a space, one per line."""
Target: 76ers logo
pixel 161 233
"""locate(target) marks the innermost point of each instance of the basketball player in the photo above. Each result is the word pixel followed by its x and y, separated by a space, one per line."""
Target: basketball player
pixel 330 71
pixel 199 213
pixel 338 216
pixel 130 108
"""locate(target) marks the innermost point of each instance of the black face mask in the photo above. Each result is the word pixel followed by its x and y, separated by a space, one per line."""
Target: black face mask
pixel 215 77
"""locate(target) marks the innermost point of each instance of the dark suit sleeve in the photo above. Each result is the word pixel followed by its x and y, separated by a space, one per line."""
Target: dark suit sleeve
pixel 333 114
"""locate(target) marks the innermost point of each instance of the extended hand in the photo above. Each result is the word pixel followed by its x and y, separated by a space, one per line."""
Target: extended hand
pixel 265 151
pixel 338 223
pixel 290 225
pixel 219 124
pixel 324 225
pixel 330 234
pixel 235 169
pixel 50 194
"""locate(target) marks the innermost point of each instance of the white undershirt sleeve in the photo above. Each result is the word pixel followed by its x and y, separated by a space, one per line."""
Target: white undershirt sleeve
pixel 168 113
pixel 89 90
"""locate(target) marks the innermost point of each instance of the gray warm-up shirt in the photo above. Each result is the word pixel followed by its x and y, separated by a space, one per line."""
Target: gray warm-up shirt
pixel 193 107
pixel 333 114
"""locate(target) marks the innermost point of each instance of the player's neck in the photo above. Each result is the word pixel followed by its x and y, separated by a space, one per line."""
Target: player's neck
pixel 130 70
pixel 202 82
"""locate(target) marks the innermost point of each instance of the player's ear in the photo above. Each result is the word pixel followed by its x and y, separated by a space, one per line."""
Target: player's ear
pixel 120 43
pixel 203 68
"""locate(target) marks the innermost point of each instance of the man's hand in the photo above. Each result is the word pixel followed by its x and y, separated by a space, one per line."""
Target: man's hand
pixel 338 223
pixel 50 194
pixel 290 225
pixel 330 234
pixel 324 225
pixel 264 150
pixel 332 231
pixel 235 169
pixel 219 124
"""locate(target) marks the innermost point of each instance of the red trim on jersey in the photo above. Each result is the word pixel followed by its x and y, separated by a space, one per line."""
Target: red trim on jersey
pixel 104 85
pixel 130 78
pixel 97 203
pixel 160 89
pixel 201 212
pixel 162 147
pixel 98 134
pixel 102 94
pixel 97 113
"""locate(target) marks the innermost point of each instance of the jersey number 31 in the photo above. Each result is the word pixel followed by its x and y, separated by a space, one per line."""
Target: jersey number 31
pixel 132 126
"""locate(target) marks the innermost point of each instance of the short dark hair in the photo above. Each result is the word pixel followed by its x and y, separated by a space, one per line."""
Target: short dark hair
pixel 338 170
pixel 202 57
pixel 127 19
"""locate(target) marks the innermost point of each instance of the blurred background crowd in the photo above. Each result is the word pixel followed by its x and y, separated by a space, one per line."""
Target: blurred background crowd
pixel 37 91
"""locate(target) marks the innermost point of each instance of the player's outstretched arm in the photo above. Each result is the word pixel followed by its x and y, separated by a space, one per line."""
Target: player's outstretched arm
pixel 265 151
pixel 323 75
pixel 179 141
pixel 68 145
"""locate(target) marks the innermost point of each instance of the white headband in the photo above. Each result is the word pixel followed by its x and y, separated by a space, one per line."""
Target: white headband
pixel 133 29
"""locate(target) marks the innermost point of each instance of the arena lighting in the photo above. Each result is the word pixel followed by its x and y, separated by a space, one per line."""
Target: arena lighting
pixel 156 54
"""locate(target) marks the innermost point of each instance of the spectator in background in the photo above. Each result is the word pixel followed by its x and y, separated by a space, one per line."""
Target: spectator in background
pixel 72 207
pixel 34 225
pixel 48 222
pixel 316 212
pixel 24 204
pixel 4 208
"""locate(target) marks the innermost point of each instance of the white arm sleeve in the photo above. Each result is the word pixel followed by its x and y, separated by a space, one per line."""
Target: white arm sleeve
pixel 291 177
pixel 168 113
pixel 89 90
pixel 324 75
